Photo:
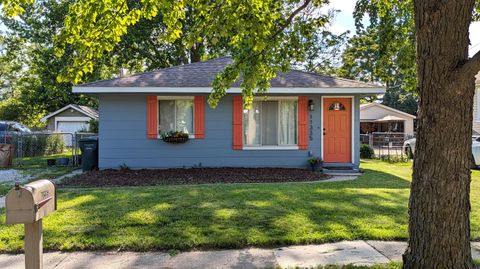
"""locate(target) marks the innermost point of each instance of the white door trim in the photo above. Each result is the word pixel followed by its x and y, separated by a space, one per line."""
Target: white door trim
pixel 352 123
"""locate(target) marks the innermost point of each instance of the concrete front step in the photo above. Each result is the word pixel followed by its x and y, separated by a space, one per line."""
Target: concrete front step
pixel 341 172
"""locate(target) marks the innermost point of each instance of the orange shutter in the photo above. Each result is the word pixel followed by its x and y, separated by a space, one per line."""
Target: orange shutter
pixel 152 130
pixel 237 122
pixel 303 122
pixel 199 115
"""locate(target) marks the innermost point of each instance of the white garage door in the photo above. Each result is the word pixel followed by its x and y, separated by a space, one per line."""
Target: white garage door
pixel 70 127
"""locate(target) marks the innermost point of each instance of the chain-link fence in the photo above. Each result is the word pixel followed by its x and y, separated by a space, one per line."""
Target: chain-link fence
pixel 58 148
pixel 386 144
pixel 366 139
pixel 76 146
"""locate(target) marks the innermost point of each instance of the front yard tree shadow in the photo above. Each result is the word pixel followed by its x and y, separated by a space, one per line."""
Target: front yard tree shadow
pixel 373 206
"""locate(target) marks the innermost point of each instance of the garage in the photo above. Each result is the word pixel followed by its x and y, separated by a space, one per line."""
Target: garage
pixel 378 118
pixel 71 127
pixel 70 119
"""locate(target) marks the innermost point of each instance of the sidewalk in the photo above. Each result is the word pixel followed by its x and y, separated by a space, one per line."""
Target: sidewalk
pixel 345 252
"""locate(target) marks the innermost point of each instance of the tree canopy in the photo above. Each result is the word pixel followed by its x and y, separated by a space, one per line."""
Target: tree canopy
pixel 262 37
pixel 28 76
pixel 391 29
pixel 145 45
pixel 367 58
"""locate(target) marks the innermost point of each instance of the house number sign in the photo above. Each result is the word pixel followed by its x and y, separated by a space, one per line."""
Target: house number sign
pixel 310 127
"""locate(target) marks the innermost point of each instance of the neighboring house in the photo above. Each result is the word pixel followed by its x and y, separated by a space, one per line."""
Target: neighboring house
pixel 476 107
pixel 375 117
pixel 70 119
pixel 305 115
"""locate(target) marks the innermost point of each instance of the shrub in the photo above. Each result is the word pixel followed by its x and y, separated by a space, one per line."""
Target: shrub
pixel 93 126
pixel 394 158
pixel 33 145
pixel 54 144
pixel 366 152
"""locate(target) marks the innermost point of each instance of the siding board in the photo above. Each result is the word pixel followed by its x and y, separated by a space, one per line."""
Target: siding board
pixel 123 138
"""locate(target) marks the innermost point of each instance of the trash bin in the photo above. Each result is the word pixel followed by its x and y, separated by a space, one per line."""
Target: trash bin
pixel 89 148
pixel 6 155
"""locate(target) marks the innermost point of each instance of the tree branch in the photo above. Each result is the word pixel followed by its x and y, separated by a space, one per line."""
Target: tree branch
pixel 471 67
pixel 291 17
pixel 282 27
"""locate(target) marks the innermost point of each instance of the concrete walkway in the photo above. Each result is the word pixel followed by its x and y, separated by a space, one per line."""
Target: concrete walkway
pixel 69 175
pixel 345 252
pixel 56 180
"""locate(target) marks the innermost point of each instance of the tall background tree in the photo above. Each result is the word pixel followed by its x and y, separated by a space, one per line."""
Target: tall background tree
pixel 323 52
pixel 439 208
pixel 35 90
pixel 368 58
pixel 29 73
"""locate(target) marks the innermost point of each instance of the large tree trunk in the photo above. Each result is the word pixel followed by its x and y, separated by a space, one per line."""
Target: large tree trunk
pixel 196 52
pixel 439 225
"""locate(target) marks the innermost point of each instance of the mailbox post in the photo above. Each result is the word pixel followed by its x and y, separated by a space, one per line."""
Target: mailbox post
pixel 28 205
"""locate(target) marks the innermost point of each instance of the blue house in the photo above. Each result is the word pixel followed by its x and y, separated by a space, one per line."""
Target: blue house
pixel 304 115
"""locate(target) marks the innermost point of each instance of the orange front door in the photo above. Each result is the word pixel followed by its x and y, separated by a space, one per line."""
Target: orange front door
pixel 337 130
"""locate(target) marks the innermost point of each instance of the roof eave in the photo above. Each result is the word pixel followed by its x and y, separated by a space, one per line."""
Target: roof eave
pixel 365 106
pixel 274 90
pixel 44 119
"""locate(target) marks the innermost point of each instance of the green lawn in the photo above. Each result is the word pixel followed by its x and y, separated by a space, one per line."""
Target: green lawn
pixel 232 215
pixel 37 168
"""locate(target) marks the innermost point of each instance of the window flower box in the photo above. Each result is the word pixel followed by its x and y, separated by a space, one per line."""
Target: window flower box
pixel 175 137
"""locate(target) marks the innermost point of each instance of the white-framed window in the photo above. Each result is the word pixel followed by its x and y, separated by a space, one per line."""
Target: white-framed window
pixel 175 114
pixel 271 124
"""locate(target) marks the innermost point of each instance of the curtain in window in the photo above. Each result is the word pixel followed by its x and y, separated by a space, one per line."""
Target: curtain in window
pixel 288 123
pixel 184 119
pixel 175 115
pixel 166 119
pixel 251 124
pixel 269 123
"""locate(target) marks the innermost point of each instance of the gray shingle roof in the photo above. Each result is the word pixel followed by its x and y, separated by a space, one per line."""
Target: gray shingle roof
pixel 87 110
pixel 201 74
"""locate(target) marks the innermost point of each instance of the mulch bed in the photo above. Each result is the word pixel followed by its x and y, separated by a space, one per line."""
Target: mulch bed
pixel 146 177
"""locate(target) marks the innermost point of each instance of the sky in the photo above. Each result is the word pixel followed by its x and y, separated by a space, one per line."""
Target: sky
pixel 344 21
